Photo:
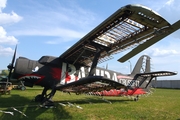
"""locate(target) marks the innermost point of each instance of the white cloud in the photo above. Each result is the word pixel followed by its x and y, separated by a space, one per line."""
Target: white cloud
pixel 169 2
pixel 170 10
pixel 167 47
pixel 156 52
pixel 2 4
pixel 6 51
pixel 68 23
pixel 6 18
pixel 4 39
pixel 59 32
pixel 9 18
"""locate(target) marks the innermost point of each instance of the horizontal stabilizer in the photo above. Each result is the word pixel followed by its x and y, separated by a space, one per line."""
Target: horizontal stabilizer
pixel 157 74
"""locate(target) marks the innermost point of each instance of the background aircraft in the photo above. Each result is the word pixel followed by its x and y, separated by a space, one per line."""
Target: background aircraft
pixel 132 26
pixel 15 83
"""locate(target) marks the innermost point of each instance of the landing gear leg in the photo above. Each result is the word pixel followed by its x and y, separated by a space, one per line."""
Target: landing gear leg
pixel 44 99
pixel 47 102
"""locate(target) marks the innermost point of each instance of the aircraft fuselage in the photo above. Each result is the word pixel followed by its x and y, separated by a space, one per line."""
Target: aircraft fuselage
pixel 49 71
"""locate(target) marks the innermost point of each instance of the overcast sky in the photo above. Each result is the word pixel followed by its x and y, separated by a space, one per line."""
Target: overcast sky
pixel 50 27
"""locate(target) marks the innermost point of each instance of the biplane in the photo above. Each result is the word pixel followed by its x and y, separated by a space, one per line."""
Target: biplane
pixel 133 27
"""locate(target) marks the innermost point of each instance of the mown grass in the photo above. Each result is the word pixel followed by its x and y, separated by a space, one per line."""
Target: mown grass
pixel 162 104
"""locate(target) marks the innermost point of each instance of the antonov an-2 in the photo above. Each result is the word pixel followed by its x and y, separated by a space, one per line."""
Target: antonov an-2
pixel 132 26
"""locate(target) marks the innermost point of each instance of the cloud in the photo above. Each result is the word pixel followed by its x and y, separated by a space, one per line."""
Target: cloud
pixel 57 20
pixel 2 4
pixel 156 52
pixel 167 47
pixel 9 18
pixel 6 51
pixel 4 39
pixel 169 2
pixel 58 32
pixel 170 10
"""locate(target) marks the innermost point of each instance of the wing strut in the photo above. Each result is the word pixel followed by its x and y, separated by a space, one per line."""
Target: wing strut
pixel 99 49
pixel 95 61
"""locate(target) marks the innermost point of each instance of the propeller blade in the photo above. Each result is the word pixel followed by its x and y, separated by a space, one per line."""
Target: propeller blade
pixel 11 66
pixel 14 56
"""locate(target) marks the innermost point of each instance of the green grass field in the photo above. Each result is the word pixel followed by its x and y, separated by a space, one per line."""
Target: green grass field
pixel 163 104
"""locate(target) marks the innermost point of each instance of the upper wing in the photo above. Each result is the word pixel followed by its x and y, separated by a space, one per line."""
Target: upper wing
pixel 128 27
pixel 90 84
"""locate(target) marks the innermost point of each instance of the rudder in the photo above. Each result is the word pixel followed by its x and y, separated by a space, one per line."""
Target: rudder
pixel 142 65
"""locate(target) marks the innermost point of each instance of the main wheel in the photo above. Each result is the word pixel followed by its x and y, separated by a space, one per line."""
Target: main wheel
pixel 39 98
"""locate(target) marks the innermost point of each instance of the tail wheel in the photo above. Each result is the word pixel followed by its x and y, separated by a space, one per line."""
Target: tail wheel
pixel 136 98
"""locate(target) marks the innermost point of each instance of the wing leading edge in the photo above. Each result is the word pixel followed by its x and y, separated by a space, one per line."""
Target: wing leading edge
pixel 128 27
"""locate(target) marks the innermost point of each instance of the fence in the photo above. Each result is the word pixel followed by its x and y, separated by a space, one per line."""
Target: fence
pixel 166 83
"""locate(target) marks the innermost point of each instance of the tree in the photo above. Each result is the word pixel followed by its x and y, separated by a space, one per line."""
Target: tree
pixel 4 73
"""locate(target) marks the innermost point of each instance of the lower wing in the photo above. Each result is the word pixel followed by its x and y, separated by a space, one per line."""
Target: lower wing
pixel 90 84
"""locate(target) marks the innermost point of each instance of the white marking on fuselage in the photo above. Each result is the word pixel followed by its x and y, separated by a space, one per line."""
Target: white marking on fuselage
pixel 63 73
pixel 35 69
pixel 125 80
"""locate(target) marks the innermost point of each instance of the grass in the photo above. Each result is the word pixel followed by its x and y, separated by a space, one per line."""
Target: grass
pixel 162 104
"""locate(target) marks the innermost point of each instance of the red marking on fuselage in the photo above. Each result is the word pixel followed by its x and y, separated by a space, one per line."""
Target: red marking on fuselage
pixel 76 78
pixel 114 92
pixel 123 77
pixel 68 77
pixel 39 80
pixel 136 91
pixel 56 73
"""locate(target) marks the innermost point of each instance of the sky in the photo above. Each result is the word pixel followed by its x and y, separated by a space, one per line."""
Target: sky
pixel 50 27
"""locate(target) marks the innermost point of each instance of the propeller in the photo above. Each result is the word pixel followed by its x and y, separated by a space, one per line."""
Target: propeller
pixel 10 67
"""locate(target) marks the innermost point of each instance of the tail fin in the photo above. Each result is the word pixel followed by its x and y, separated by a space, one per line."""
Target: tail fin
pixel 142 65
pixel 143 76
